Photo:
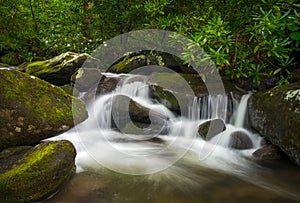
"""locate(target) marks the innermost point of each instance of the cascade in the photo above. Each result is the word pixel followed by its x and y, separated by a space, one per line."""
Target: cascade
pixel 180 155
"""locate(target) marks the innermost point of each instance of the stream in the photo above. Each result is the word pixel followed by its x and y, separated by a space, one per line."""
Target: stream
pixel 177 166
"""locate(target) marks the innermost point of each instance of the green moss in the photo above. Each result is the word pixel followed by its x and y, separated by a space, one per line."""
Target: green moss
pixel 39 173
pixel 46 109
pixel 38 67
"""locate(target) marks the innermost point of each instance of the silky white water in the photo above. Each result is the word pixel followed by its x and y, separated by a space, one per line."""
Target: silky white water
pixel 176 157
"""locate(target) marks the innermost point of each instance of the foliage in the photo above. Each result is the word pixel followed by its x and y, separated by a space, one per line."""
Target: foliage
pixel 245 38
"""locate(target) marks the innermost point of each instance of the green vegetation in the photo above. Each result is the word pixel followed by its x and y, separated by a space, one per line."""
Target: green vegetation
pixel 246 39
pixel 38 172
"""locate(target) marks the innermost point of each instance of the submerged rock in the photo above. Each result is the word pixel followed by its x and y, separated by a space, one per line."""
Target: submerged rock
pixel 57 70
pixel 211 128
pixel 240 140
pixel 30 174
pixel 32 109
pixel 275 114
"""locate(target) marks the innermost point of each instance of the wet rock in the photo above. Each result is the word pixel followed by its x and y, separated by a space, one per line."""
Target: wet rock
pixel 211 128
pixel 30 174
pixel 107 84
pixel 85 78
pixel 275 114
pixel 32 109
pixel 240 140
pixel 177 91
pixel 59 69
pixel 130 117
pixel 269 152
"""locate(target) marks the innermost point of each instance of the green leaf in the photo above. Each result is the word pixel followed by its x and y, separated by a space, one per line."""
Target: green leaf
pixel 277 71
pixel 256 48
pixel 293 27
pixel 295 36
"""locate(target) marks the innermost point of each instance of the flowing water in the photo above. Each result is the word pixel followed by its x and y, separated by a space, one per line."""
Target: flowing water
pixel 177 167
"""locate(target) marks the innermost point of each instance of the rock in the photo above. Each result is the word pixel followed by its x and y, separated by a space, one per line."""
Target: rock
pixel 275 114
pixel 170 89
pixel 211 128
pixel 31 174
pixel 130 117
pixel 32 109
pixel 240 140
pixel 85 78
pixel 107 84
pixel 269 152
pixel 132 61
pixel 59 69
pixel 70 90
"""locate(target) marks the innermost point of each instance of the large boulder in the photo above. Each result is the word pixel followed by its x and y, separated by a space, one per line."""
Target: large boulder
pixel 211 128
pixel 59 69
pixel 32 109
pixel 275 114
pixel 30 174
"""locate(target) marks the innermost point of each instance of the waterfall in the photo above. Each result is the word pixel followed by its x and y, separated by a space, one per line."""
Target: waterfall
pixel 241 113
pixel 213 106
pixel 96 133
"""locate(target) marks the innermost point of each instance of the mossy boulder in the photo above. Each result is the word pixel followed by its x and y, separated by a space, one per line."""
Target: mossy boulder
pixel 32 109
pixel 30 174
pixel 275 114
pixel 211 128
pixel 132 61
pixel 59 69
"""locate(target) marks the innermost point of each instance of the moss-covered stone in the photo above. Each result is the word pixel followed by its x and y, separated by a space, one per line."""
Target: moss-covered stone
pixel 275 114
pixel 32 109
pixel 57 70
pixel 132 61
pixel 30 174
